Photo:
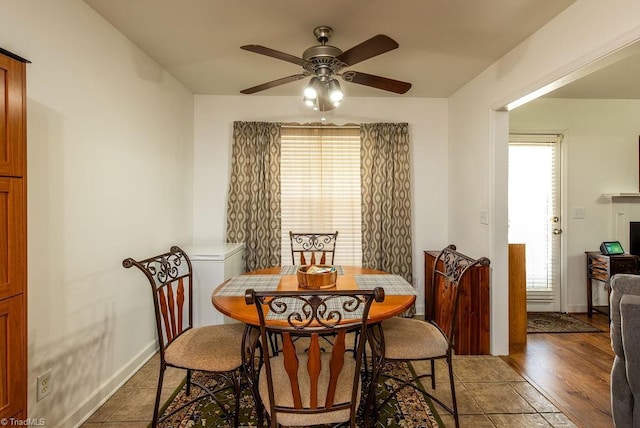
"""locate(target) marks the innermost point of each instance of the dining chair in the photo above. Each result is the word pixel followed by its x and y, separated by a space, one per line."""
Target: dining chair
pixel 215 349
pixel 312 387
pixel 307 245
pixel 399 340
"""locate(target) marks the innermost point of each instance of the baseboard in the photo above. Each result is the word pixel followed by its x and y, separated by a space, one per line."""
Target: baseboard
pixel 577 309
pixel 84 410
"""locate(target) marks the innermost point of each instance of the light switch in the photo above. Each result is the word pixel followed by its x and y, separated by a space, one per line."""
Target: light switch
pixel 578 212
pixel 484 216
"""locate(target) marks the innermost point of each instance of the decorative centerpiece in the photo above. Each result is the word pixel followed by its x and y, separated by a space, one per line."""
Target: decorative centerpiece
pixel 317 276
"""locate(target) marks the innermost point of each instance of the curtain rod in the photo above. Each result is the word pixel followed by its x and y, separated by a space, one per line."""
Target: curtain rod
pixel 322 126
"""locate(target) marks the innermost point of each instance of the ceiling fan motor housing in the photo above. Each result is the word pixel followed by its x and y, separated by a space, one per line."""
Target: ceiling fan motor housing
pixel 322 58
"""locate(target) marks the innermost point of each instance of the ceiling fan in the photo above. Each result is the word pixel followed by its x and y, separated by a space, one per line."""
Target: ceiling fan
pixel 324 61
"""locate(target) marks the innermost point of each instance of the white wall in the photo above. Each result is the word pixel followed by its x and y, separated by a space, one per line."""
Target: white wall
pixel 584 32
pixel 601 147
pixel 110 161
pixel 109 176
pixel 427 118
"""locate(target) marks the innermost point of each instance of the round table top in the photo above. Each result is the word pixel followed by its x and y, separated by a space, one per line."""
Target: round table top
pixel 234 306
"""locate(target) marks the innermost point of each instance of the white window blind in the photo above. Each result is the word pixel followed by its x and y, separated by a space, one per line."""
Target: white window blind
pixel 320 187
pixel 534 203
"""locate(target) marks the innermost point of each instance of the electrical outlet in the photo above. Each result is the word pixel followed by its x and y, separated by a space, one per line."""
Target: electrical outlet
pixel 44 385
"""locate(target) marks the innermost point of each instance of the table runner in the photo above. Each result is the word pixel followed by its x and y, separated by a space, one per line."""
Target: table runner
pixel 392 284
pixel 291 270
pixel 239 284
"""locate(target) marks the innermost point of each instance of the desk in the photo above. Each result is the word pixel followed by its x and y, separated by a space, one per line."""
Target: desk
pixel 601 267
pixel 235 307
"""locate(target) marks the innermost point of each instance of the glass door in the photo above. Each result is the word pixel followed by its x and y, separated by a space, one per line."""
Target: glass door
pixel 534 214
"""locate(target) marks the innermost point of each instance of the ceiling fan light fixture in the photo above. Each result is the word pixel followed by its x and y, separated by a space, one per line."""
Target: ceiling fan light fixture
pixel 309 101
pixel 335 92
pixel 313 88
pixel 310 93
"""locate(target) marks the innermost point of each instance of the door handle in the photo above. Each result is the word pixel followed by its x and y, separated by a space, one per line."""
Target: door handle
pixel 557 231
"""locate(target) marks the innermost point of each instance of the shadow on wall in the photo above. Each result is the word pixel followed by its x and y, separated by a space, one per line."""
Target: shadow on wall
pixel 78 366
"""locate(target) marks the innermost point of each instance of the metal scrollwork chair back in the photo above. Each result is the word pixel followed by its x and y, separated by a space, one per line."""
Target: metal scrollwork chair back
pixel 307 245
pixel 406 339
pixel 215 349
pixel 302 388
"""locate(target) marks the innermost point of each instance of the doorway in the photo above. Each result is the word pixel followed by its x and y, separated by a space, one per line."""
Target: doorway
pixel 534 214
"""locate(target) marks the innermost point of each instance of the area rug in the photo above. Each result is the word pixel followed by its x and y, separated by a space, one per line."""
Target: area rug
pixel 556 322
pixel 409 410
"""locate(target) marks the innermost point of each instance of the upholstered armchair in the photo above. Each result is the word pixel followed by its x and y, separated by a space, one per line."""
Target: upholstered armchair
pixel 625 374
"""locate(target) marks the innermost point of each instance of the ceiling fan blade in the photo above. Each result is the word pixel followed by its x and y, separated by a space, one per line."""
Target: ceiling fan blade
pixel 383 83
pixel 274 54
pixel 368 49
pixel 272 84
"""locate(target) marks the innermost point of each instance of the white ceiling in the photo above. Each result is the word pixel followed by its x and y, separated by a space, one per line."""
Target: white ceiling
pixel 443 43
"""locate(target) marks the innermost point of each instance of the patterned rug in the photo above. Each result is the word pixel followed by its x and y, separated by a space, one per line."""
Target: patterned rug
pixel 556 322
pixel 409 410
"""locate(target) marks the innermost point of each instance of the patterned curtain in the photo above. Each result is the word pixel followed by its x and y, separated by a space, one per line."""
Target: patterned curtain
pixel 386 199
pixel 253 204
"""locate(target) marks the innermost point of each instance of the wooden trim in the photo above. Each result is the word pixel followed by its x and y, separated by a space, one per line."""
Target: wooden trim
pixel 517 295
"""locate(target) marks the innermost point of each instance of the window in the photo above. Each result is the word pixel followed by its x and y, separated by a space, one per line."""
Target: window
pixel 320 187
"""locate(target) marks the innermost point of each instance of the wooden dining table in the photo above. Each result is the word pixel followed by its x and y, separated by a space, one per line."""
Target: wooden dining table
pixel 229 298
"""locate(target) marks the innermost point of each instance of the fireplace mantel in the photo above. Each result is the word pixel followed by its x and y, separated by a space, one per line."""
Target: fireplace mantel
pixel 621 195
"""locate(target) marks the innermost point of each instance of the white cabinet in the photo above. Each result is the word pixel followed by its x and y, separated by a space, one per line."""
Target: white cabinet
pixel 212 265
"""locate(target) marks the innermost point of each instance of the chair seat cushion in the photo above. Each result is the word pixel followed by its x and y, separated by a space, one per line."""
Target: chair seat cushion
pixel 412 339
pixel 215 348
pixel 283 396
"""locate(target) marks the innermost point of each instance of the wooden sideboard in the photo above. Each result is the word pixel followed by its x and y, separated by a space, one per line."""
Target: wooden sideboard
pixel 473 323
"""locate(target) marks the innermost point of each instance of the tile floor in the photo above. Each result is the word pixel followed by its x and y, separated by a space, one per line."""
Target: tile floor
pixel 490 394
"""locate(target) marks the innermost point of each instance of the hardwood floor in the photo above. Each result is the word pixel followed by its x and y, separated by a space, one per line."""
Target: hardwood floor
pixel 572 370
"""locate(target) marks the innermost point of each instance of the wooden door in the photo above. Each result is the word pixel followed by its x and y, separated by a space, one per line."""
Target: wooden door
pixel 12 117
pixel 13 368
pixel 13 232
pixel 13 238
